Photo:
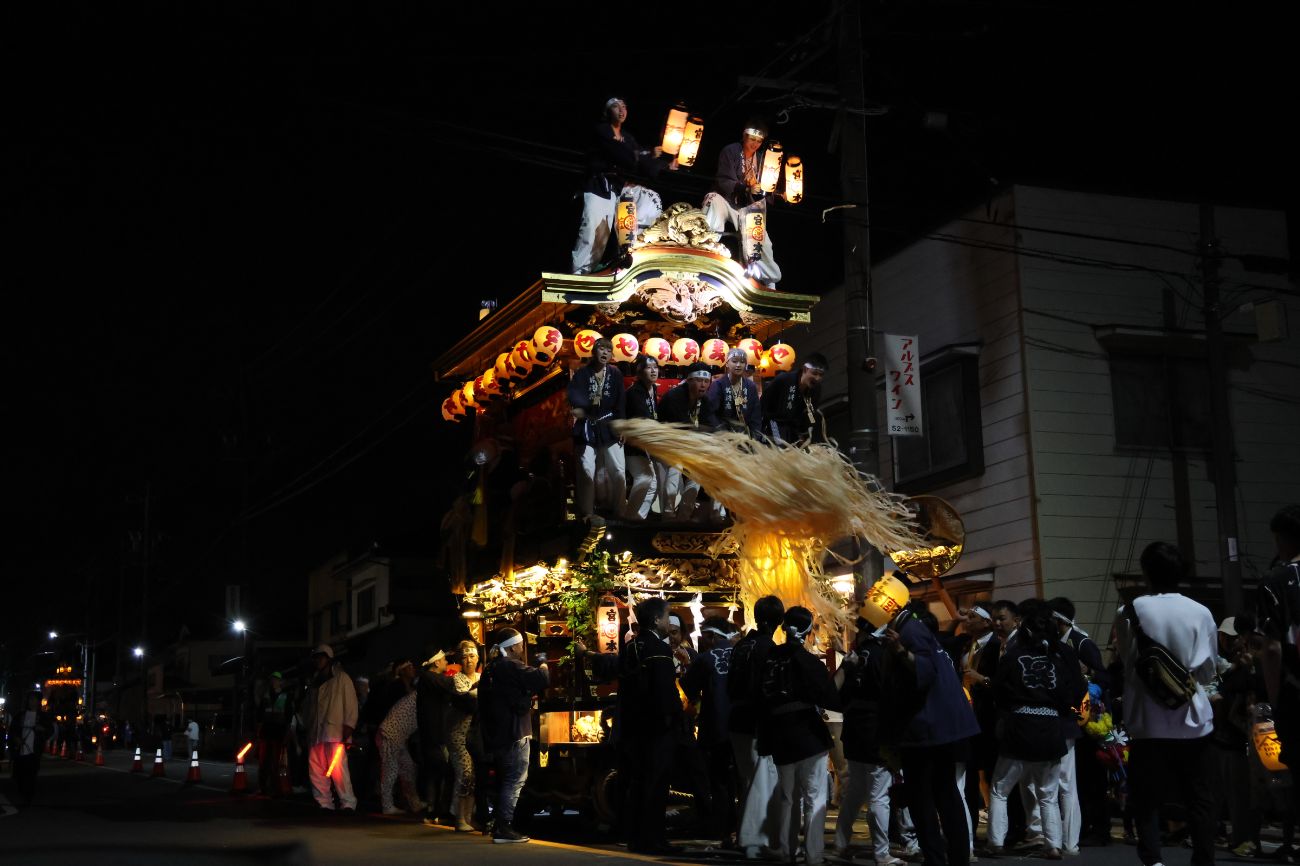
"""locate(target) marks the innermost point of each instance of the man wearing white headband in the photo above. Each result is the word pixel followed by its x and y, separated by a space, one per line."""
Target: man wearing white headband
pixel 684 654
pixel 687 403
pixel 506 692
pixel 790 403
pixel 736 397
pixel 614 162
pixel 736 193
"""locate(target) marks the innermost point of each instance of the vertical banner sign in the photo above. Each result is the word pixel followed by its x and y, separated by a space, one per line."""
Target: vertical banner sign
pixel 902 386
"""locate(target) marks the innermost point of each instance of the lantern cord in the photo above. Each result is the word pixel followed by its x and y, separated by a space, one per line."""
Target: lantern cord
pixel 790 505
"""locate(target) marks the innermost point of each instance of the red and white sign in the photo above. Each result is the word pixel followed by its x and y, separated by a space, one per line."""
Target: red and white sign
pixel 902 386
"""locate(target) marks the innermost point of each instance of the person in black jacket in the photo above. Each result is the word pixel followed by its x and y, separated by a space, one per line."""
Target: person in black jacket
pixel 687 403
pixel 433 690
pixel 794 687
pixel 505 703
pixel 705 686
pixel 789 404
pixel 650 715
pixel 1038 681
pixel 757 773
pixel 596 397
pixel 736 397
pixel 648 475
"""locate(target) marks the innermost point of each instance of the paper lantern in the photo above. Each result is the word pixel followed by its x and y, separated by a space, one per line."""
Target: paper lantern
pixel 782 357
pixel 457 402
pixel 503 368
pixel 1264 736
pixel 753 350
pixel 625 220
pixel 692 137
pixel 626 347
pixel 491 384
pixel 751 239
pixel 793 179
pixel 766 366
pixel 481 394
pixel 714 352
pixel 522 359
pixel 584 341
pixel 884 600
pixel 771 172
pixel 546 345
pixel 607 625
pixel 467 394
pixel 448 411
pixel 686 351
pixel 674 130
pixel 659 349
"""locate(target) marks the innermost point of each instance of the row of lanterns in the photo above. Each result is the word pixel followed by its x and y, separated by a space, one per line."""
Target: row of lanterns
pixel 541 351
pixel 684 133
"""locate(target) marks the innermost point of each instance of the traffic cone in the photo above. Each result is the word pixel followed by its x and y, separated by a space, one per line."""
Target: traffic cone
pixel 63 753
pixel 81 756
pixel 193 775
pixel 283 784
pixel 99 755
pixel 240 783
pixel 158 769
pixel 136 765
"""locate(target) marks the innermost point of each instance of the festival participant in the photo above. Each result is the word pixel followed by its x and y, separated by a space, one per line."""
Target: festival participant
pixel 331 709
pixel 506 692
pixel 789 405
pixel 736 397
pixel 399 724
pixel 1278 615
pixel 596 397
pixel 978 649
pixel 736 193
pixel 757 774
pixel 649 476
pixel 705 686
pixel 686 403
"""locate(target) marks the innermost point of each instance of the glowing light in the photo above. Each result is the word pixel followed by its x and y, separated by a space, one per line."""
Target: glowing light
pixel 334 761
pixel 793 179
pixel 138 652
pixel 239 625
pixel 692 136
pixel 843 584
pixel 674 130
pixel 771 167
pixel 243 752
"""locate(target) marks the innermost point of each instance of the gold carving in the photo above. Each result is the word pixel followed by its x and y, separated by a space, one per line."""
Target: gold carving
pixel 682 226
pixel 681 297
pixel 717 573
pixel 692 542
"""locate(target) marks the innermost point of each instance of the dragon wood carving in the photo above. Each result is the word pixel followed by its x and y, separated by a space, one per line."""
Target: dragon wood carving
pixel 683 226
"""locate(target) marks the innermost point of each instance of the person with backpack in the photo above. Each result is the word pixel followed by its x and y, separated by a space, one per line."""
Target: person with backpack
pixel 794 685
pixel 1168 645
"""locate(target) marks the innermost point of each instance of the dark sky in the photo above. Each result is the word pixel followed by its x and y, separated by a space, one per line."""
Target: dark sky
pixel 242 233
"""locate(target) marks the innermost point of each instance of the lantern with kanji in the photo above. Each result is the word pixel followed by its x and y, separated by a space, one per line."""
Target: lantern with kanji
pixel 674 130
pixel 782 357
pixel 884 601
pixel 491 383
pixel 521 359
pixel 714 352
pixel 771 172
pixel 448 410
pixel 766 367
pixel 753 350
pixel 502 368
pixel 547 341
pixel 607 624
pixel 692 137
pixel 659 349
pixel 626 347
pixel 457 402
pixel 584 341
pixel 1264 737
pixel 481 394
pixel 467 395
pixel 793 179
pixel 686 351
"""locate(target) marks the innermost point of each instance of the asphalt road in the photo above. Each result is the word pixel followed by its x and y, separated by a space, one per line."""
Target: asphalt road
pixel 109 816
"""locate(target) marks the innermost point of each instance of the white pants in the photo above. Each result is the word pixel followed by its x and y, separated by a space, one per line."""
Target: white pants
pixel 719 213
pixel 680 493
pixel 760 820
pixel 1068 792
pixel 802 787
pixel 318 763
pixel 591 459
pixel 648 478
pixel 1041 782
pixel 961 789
pixel 869 784
pixel 598 223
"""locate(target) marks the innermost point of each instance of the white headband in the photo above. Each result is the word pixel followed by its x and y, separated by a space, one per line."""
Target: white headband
pixel 699 374
pixel 1065 619
pixel 979 611
pixel 510 641
pixel 674 620
pixel 754 132
pixel 714 630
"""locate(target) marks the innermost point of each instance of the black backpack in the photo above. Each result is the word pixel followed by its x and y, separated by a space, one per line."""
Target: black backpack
pixel 1168 682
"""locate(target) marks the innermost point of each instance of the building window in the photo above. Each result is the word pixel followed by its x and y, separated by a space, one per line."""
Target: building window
pixel 1142 387
pixel 952 447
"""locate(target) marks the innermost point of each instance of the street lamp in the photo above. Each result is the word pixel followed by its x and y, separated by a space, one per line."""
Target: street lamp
pixel 241 628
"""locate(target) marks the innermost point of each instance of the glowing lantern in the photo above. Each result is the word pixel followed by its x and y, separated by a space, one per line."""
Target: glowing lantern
pixel 481 394
pixel 782 357
pixel 884 600
pixel 546 345
pixel 686 350
pixel 522 359
pixel 448 411
pixel 793 179
pixel 503 368
pixel 766 367
pixel 584 341
pixel 771 172
pixel 626 347
pixel 457 402
pixel 659 349
pixel 467 394
pixel 674 130
pixel 751 238
pixel 1267 746
pixel 625 220
pixel 753 350
pixel 714 352
pixel 491 384
pixel 692 136
pixel 607 625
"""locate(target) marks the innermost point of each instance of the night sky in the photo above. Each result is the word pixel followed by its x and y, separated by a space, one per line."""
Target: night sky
pixel 242 233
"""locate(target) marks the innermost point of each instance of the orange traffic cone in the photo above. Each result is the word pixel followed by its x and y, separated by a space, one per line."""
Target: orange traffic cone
pixel 193 775
pixel 136 765
pixel 240 783
pixel 63 753
pixel 158 769
pixel 283 784
pixel 99 755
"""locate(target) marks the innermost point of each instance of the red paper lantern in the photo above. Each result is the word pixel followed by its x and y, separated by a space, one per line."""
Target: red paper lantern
pixel 714 352
pixel 686 351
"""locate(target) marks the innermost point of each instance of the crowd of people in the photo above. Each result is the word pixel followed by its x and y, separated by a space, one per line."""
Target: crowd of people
pixel 626 483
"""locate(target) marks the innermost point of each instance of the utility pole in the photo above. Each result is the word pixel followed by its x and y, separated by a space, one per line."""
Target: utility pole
pixel 857 264
pixel 1225 471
